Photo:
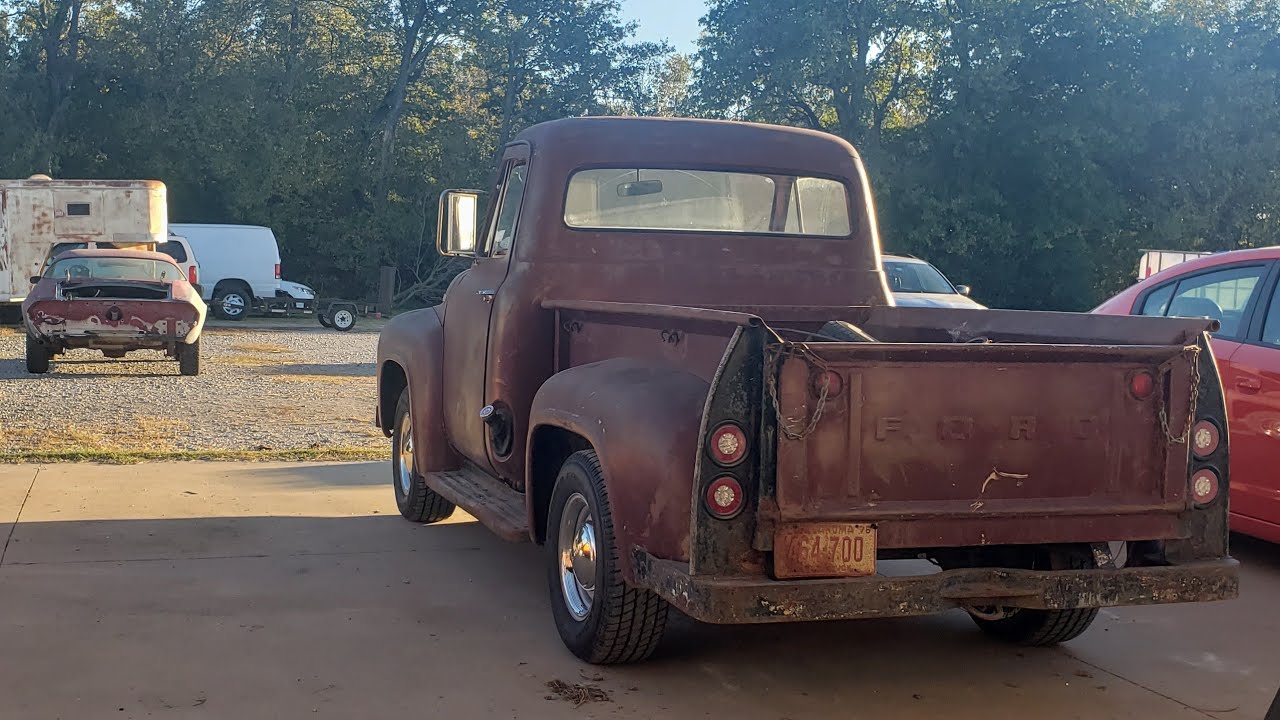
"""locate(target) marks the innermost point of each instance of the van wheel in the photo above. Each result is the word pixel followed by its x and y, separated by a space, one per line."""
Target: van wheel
pixel 233 303
pixel 416 501
pixel 1022 626
pixel 38 354
pixel 601 619
pixel 189 358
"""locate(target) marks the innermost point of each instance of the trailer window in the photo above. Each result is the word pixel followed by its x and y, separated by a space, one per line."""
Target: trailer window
pixel 111 268
pixel 706 201
pixel 78 210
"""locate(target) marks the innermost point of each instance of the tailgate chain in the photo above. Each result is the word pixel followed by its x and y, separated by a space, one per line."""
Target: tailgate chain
pixel 775 356
pixel 1166 369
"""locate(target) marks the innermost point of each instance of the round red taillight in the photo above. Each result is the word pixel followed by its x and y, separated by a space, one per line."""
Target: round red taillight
pixel 728 444
pixel 831 380
pixel 1205 438
pixel 1142 384
pixel 724 498
pixel 1204 486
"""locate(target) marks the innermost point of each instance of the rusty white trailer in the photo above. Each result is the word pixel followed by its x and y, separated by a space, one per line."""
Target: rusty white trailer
pixel 40 216
pixel 1154 261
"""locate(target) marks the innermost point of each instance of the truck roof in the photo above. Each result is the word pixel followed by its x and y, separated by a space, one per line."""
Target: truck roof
pixel 682 142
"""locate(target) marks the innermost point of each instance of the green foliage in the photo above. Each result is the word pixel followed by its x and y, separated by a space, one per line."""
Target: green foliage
pixel 335 123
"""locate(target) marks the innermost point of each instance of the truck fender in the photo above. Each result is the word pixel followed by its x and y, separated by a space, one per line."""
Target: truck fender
pixel 411 354
pixel 643 421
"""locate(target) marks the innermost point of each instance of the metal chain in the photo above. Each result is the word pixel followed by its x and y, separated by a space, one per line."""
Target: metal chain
pixel 775 355
pixel 1194 352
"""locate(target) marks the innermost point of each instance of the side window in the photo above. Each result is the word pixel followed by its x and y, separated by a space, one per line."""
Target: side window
pixel 1222 295
pixel 173 250
pixel 1271 328
pixel 1157 303
pixel 504 230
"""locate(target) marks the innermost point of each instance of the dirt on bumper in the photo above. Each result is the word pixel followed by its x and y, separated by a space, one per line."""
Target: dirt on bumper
pixel 754 599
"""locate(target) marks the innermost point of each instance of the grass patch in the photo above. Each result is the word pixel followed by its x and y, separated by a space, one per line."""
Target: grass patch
pixel 135 434
pixel 133 457
pixel 262 348
pixel 246 360
pixel 325 379
pixel 10 330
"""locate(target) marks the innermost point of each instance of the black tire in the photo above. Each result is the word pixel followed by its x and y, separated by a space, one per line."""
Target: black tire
pixel 228 298
pixel 1038 628
pixel 324 320
pixel 189 358
pixel 841 331
pixel 420 503
pixel 38 354
pixel 343 318
pixel 623 624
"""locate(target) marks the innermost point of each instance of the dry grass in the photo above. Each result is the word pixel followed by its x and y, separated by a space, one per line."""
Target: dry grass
pixel 10 330
pixel 133 457
pixel 247 360
pixel 262 348
pixel 326 379
pixel 137 434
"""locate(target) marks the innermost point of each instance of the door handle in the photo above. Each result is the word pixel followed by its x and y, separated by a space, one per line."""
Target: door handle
pixel 1249 384
pixel 486 294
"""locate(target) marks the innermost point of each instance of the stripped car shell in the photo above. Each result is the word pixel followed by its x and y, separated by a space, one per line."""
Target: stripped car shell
pixel 114 314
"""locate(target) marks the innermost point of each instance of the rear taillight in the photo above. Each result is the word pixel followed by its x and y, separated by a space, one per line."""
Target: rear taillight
pixel 1142 384
pixel 1205 438
pixel 828 381
pixel 728 445
pixel 724 498
pixel 192 276
pixel 277 271
pixel 1204 486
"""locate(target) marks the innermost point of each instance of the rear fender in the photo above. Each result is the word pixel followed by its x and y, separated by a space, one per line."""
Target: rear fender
pixel 411 354
pixel 642 421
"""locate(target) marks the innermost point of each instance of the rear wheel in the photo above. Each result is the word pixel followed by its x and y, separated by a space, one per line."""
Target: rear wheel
pixel 1025 626
pixel 416 501
pixel 601 619
pixel 38 354
pixel 232 302
pixel 189 358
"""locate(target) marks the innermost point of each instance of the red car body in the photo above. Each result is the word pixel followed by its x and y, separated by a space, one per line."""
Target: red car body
pixel 1240 289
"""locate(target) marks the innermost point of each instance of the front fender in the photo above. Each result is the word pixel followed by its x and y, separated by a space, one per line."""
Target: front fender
pixel 411 353
pixel 643 422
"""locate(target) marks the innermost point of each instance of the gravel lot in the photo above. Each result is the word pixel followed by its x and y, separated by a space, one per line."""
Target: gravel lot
pixel 258 389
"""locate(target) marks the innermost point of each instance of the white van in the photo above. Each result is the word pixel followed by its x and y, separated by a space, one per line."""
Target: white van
pixel 239 265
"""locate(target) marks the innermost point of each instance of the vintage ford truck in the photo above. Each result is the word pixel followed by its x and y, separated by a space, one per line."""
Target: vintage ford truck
pixel 675 362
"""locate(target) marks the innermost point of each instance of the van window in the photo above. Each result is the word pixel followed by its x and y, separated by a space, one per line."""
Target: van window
pixel 173 250
pixel 706 201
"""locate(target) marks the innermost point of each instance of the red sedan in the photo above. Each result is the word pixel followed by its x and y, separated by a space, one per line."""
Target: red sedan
pixel 1240 290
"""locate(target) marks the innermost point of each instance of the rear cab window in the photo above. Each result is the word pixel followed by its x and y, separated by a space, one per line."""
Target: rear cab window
pixel 677 200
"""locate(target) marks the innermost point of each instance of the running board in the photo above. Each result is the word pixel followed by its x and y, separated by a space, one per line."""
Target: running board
pixel 487 499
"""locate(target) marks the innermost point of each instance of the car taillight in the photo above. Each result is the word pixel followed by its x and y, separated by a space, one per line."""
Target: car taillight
pixel 192 276
pixel 728 444
pixel 277 271
pixel 1205 438
pixel 1142 384
pixel 1204 486
pixel 724 498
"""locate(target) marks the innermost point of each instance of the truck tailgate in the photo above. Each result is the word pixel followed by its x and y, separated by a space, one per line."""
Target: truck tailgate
pixel 975 444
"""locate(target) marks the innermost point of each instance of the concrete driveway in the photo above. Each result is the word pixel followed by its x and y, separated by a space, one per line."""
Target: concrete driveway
pixel 296 591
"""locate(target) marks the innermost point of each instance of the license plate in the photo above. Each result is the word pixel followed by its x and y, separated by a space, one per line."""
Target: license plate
pixel 823 550
pixel 299 305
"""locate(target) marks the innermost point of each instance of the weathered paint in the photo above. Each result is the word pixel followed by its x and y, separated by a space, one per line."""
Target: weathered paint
pixel 34 218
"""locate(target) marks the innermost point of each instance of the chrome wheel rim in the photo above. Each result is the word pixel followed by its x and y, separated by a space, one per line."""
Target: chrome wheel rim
pixel 404 459
pixel 577 546
pixel 343 319
pixel 232 304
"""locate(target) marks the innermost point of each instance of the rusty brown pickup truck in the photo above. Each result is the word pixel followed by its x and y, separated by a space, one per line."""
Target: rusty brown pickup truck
pixel 674 362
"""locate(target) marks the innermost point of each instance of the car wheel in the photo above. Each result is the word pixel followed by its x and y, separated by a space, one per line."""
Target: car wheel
pixel 38 354
pixel 343 319
pixel 416 501
pixel 233 303
pixel 189 358
pixel 601 619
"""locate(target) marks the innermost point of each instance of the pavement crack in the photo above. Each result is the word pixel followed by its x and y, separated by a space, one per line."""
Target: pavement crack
pixel 1135 683
pixel 18 518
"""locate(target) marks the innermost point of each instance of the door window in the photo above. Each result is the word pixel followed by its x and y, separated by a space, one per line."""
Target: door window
pixel 1221 295
pixel 504 230
pixel 1271 328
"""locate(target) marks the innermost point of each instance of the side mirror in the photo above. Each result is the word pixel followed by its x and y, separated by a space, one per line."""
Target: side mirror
pixel 964 290
pixel 457 226
pixel 35 279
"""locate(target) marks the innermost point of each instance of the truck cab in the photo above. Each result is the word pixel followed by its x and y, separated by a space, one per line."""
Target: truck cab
pixel 674 362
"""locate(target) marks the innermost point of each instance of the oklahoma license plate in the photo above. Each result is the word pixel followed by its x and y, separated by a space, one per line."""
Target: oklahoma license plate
pixel 824 550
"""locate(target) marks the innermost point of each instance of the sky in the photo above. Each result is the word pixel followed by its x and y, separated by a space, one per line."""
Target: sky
pixel 675 21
